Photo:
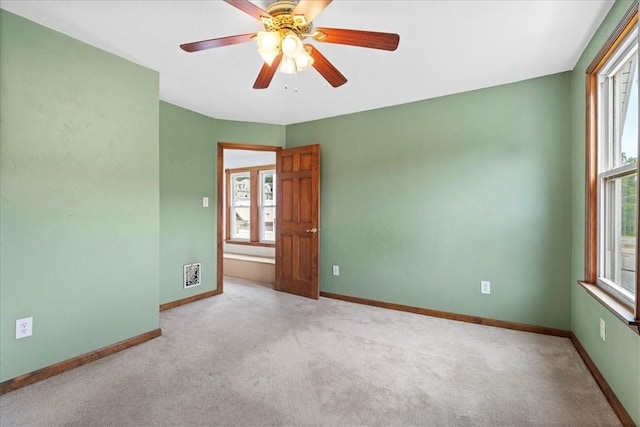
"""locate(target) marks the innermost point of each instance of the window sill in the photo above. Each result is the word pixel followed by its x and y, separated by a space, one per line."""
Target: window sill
pixel 621 311
pixel 244 242
pixel 250 258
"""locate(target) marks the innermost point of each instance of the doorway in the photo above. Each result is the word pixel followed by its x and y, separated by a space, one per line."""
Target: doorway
pixel 294 224
pixel 246 238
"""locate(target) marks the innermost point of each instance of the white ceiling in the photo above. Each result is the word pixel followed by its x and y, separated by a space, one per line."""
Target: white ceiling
pixel 445 47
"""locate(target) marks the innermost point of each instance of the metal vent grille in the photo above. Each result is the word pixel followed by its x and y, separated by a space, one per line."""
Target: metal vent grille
pixel 192 275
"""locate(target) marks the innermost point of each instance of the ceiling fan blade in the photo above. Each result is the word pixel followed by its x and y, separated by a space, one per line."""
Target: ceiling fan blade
pixel 325 68
pixel 219 42
pixel 266 73
pixel 249 8
pixel 310 8
pixel 370 39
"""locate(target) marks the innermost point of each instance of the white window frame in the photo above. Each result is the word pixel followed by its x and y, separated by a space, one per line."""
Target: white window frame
pixel 607 171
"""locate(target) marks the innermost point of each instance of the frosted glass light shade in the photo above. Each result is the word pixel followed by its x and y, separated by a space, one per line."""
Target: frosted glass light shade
pixel 288 65
pixel 268 40
pixel 268 57
pixel 296 58
pixel 303 61
pixel 292 46
pixel 268 45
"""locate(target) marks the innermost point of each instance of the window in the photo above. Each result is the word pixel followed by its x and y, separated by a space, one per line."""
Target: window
pixel 612 168
pixel 251 205
pixel 618 170
pixel 240 206
pixel 267 206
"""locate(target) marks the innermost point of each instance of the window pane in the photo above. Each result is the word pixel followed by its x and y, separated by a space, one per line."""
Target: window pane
pixel 268 210
pixel 268 223
pixel 620 232
pixel 268 188
pixel 625 114
pixel 241 185
pixel 240 226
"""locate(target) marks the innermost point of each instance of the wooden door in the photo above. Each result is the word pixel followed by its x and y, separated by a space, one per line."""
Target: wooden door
pixel 298 220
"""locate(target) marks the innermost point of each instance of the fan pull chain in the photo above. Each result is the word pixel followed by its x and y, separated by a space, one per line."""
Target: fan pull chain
pixel 295 88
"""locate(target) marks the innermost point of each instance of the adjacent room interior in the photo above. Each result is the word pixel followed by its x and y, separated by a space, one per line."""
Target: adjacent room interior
pixel 480 205
pixel 249 253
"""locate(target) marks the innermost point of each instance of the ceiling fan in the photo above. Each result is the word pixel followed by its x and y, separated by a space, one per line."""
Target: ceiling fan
pixel 286 24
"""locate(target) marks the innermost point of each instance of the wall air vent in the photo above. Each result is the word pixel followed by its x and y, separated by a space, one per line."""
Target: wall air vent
pixel 192 275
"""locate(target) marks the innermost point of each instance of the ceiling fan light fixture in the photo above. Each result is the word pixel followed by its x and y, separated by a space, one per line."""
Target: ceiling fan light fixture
pixel 268 45
pixel 292 46
pixel 286 24
pixel 288 65
pixel 269 57
pixel 268 40
pixel 304 61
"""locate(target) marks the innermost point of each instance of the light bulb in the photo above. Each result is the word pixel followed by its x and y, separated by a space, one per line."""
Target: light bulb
pixel 291 45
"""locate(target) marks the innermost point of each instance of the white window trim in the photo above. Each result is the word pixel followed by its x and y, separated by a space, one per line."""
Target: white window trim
pixel 606 172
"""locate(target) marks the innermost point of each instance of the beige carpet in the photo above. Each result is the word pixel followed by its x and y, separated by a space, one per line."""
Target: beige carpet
pixel 253 356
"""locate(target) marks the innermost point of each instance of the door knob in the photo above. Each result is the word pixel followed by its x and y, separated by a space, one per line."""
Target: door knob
pixel 312 230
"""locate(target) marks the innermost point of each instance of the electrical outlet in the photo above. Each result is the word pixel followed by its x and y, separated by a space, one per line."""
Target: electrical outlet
pixel 485 287
pixel 24 327
pixel 205 202
pixel 603 330
pixel 336 270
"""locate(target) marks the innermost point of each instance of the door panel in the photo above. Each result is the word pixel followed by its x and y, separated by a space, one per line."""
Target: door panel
pixel 297 220
pixel 306 162
pixel 286 264
pixel 287 164
pixel 306 195
pixel 286 191
pixel 305 261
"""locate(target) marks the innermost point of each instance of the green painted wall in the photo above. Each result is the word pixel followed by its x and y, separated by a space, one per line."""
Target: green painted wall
pixel 79 196
pixel 619 357
pixel 420 202
pixel 250 133
pixel 188 172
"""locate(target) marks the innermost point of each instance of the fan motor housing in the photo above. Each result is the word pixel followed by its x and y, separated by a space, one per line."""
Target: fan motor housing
pixel 282 18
